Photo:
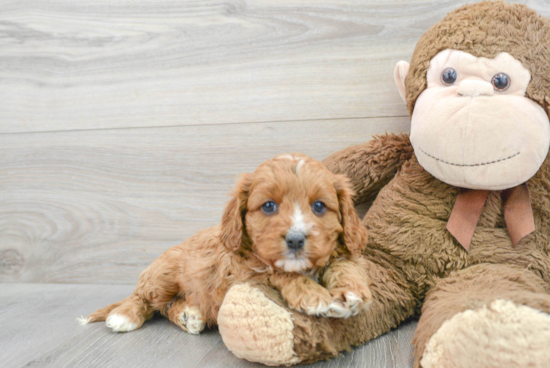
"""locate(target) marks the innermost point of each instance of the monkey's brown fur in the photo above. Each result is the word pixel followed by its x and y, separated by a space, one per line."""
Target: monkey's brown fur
pixel 414 263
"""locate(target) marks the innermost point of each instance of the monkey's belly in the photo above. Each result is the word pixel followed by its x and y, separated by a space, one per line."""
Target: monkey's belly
pixel 407 227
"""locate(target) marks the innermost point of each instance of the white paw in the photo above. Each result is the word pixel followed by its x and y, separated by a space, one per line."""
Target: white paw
pixel 319 310
pixel 191 319
pixel 119 323
pixel 337 309
pixel 353 302
pixel 351 306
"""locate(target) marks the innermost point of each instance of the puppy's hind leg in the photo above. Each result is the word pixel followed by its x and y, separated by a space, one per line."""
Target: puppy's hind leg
pixel 156 287
pixel 123 316
pixel 129 315
pixel 186 316
pixel 100 314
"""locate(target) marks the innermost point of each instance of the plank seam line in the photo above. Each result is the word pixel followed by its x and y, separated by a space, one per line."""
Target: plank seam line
pixel 195 125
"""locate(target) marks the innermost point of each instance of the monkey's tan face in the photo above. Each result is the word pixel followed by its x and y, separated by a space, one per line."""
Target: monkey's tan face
pixel 473 127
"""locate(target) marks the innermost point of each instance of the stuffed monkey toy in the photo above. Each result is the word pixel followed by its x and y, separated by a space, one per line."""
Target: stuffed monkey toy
pixel 459 230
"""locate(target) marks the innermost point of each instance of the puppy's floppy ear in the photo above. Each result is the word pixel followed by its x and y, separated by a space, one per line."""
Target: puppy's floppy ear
pixel 354 234
pixel 232 227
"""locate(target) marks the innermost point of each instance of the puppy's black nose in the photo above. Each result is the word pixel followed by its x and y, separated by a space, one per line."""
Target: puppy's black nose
pixel 295 241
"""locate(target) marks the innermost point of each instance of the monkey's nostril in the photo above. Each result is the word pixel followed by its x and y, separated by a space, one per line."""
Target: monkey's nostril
pixel 295 241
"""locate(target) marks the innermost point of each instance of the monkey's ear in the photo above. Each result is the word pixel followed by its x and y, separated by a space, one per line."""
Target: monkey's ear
pixel 232 226
pixel 354 234
pixel 399 74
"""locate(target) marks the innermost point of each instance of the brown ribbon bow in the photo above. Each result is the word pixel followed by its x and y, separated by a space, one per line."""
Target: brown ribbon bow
pixel 518 214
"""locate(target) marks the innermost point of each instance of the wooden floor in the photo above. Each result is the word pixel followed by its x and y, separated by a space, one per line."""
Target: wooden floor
pixel 124 124
pixel 39 330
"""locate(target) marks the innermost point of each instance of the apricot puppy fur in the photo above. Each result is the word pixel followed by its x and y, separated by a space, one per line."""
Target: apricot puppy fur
pixel 291 225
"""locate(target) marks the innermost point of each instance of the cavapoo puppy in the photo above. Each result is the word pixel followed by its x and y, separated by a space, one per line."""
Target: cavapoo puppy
pixel 291 225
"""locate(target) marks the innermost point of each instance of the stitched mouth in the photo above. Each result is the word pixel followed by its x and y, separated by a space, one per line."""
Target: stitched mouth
pixel 470 165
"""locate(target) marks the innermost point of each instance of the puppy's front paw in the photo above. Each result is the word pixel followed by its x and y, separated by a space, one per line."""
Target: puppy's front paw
pixel 314 301
pixel 348 303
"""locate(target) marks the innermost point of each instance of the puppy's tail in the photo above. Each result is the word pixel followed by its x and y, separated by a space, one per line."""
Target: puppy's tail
pixel 100 314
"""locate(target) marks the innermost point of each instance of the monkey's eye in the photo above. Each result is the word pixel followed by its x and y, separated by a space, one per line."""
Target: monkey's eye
pixel 269 208
pixel 448 77
pixel 319 208
pixel 501 82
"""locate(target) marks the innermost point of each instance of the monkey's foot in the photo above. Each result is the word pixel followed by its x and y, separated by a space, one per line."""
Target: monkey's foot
pixel 502 334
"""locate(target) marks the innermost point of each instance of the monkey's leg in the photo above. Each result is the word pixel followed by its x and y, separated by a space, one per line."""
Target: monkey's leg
pixel 486 316
pixel 371 165
pixel 186 316
pixel 256 324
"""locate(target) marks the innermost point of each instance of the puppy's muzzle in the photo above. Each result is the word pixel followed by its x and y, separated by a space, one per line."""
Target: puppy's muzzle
pixel 295 241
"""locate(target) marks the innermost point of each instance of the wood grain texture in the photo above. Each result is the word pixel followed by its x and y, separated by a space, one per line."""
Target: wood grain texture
pixel 99 206
pixel 39 330
pixel 123 125
pixel 67 65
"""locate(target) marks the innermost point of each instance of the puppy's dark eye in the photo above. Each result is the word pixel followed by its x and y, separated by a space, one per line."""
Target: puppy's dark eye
pixel 319 208
pixel 501 82
pixel 269 208
pixel 448 77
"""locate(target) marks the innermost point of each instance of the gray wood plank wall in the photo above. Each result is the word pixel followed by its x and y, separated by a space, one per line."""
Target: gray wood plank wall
pixel 124 124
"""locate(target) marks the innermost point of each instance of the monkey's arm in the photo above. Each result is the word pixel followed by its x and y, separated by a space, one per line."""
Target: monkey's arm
pixel 370 166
